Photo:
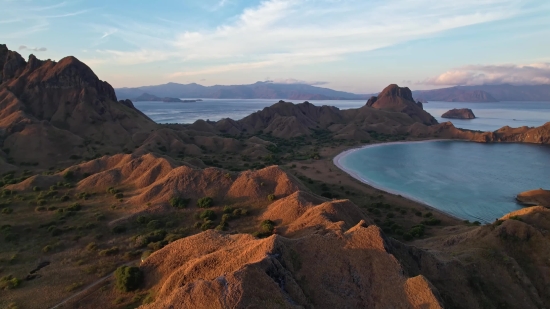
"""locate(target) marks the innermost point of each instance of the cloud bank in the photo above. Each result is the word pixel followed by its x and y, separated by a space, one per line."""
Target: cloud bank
pixel 36 49
pixel 532 74
pixel 289 33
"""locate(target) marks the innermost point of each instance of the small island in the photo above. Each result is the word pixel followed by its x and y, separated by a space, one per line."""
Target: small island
pixel 153 98
pixel 462 113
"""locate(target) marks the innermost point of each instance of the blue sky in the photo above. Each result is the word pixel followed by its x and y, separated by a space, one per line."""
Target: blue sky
pixel 353 45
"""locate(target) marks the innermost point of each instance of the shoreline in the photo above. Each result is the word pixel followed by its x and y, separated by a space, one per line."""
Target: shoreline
pixel 338 157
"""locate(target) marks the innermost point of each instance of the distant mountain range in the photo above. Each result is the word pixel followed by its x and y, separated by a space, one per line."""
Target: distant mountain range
pixel 270 90
pixel 486 93
pixel 259 90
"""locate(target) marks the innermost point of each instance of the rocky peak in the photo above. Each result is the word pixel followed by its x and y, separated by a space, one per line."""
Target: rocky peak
pixel 393 91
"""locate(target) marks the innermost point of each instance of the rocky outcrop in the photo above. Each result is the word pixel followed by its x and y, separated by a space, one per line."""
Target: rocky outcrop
pixel 535 197
pixel 459 113
pixel 49 109
pixel 399 99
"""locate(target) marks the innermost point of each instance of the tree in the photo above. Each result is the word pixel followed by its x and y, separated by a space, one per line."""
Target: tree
pixel 128 278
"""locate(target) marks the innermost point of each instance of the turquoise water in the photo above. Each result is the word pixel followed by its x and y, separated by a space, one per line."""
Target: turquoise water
pixel 468 180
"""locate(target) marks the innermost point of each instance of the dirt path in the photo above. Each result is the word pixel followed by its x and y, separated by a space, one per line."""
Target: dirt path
pixel 89 287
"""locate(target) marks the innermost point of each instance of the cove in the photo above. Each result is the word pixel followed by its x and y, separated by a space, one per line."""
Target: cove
pixel 471 181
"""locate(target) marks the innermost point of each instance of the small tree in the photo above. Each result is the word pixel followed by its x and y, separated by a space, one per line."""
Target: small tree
pixel 128 278
pixel 179 202
pixel 271 197
pixel 205 202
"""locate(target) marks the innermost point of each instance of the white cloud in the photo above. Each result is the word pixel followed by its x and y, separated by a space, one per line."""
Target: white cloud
pixel 36 49
pixel 531 74
pixel 289 33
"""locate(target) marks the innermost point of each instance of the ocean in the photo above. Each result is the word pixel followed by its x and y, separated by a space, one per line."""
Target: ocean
pixel 491 116
pixel 471 181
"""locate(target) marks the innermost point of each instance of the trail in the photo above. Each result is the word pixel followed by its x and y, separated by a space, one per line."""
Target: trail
pixel 88 287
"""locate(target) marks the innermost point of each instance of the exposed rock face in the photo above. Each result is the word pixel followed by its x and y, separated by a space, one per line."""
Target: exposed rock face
pixel 535 197
pixel 49 108
pixel 398 99
pixel 459 113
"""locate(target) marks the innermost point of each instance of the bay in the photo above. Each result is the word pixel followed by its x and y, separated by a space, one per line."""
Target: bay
pixel 471 181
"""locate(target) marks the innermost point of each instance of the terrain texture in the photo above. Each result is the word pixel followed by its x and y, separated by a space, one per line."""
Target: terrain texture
pixel 239 214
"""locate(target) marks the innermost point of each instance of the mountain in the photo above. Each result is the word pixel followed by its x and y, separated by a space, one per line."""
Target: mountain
pixel 455 94
pixel 259 90
pixel 486 93
pixel 52 110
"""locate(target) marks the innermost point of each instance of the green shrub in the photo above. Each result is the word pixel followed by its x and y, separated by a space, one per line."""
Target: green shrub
pixel 91 247
pixel 208 215
pixel 197 225
pixel 40 208
pixel 74 207
pixel 271 197
pixel 226 217
pixel 128 278
pixel 208 224
pixel 142 219
pixel 112 190
pixel 109 252
pixel 65 198
pixel 205 202
pixel 9 282
pixel 267 226
pixel 228 209
pixel 179 202
pixel 431 221
pixel 154 224
pixel 36 189
pixel 68 175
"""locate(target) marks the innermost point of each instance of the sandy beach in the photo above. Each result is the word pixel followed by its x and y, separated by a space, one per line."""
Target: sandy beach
pixel 337 162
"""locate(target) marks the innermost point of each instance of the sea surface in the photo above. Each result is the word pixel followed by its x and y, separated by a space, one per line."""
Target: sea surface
pixel 471 181
pixel 494 115
pixel 216 109
pixel 491 116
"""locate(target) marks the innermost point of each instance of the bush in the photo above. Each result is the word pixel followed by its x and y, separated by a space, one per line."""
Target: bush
pixel 40 208
pixel 7 210
pixel 271 197
pixel 74 207
pixel 109 252
pixel 154 224
pixel 207 215
pixel 142 219
pixel 205 202
pixel 407 236
pixel 208 224
pixel 267 226
pixel 91 247
pixel 112 190
pixel 179 202
pixel 36 189
pixel 128 278
pixel 9 282
pixel 65 198
pixel 68 175
pixel 227 209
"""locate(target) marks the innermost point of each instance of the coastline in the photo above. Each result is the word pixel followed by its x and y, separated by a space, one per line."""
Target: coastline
pixel 340 156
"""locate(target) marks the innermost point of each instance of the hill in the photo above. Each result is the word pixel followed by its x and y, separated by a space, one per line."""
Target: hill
pixel 259 90
pixel 486 93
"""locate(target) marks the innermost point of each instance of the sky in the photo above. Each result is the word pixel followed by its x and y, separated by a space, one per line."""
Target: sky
pixel 359 46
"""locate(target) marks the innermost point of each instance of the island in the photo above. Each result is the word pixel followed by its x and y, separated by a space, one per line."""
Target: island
pixel 153 98
pixel 459 113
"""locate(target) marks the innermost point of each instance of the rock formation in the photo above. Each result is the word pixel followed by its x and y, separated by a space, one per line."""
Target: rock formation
pixel 459 113
pixel 49 109
pixel 535 197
